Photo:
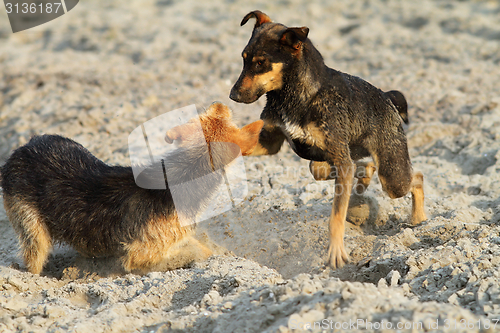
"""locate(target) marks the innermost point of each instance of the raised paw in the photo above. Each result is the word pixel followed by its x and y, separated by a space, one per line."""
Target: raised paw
pixel 321 170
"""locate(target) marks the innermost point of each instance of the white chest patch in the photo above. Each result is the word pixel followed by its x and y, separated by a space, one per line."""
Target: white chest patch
pixel 293 131
pixel 311 134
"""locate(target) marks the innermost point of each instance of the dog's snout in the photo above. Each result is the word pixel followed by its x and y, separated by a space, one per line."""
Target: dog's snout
pixel 235 95
pixel 241 95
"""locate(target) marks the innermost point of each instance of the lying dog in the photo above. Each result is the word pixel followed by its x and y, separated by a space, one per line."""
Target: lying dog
pixel 57 191
pixel 328 117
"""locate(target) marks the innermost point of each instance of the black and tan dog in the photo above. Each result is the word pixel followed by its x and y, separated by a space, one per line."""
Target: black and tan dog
pixel 328 117
pixel 57 191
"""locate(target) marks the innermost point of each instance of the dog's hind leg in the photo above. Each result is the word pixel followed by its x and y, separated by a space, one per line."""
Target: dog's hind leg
pixel 321 170
pixel 397 177
pixel 34 238
pixel 417 198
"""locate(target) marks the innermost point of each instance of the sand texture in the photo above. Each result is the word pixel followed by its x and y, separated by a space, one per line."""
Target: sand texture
pixel 106 67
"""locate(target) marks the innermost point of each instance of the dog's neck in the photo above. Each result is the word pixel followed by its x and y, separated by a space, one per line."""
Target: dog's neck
pixel 301 82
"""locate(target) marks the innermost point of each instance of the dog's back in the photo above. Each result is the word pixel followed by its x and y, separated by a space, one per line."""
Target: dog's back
pixel 73 196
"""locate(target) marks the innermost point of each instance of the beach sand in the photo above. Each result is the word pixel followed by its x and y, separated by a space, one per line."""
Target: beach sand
pixel 106 67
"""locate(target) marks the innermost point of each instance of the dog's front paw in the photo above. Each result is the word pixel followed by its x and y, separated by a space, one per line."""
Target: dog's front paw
pixel 337 255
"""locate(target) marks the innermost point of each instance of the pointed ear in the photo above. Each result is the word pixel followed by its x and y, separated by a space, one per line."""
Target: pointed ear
pixel 249 137
pixel 219 110
pixel 259 16
pixel 294 37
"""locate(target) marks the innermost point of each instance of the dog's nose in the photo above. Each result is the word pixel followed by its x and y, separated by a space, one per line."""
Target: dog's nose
pixel 235 95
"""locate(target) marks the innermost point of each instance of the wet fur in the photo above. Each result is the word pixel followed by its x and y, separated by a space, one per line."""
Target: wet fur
pixel 331 118
pixel 55 190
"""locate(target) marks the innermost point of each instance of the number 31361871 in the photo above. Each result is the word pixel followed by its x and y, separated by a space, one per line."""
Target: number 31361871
pixel 32 8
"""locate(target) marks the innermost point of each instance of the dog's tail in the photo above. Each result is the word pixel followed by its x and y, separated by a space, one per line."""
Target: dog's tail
pixel 399 101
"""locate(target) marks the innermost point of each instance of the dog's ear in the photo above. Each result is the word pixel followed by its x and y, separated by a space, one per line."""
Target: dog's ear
pixel 294 37
pixel 260 17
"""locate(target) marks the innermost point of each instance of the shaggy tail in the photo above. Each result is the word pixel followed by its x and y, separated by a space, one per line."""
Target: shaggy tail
pixel 399 101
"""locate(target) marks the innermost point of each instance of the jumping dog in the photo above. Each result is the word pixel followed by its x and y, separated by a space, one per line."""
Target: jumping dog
pixel 328 117
pixel 55 190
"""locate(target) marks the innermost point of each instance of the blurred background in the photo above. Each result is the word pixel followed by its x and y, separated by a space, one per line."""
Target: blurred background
pixel 107 66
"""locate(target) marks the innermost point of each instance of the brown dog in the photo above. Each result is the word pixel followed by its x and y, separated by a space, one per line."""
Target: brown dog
pixel 328 117
pixel 57 191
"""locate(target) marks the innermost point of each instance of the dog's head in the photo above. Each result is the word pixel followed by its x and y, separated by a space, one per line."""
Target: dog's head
pixel 272 49
pixel 216 125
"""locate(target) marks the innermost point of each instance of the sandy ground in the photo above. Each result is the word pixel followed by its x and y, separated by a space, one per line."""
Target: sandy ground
pixel 100 71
